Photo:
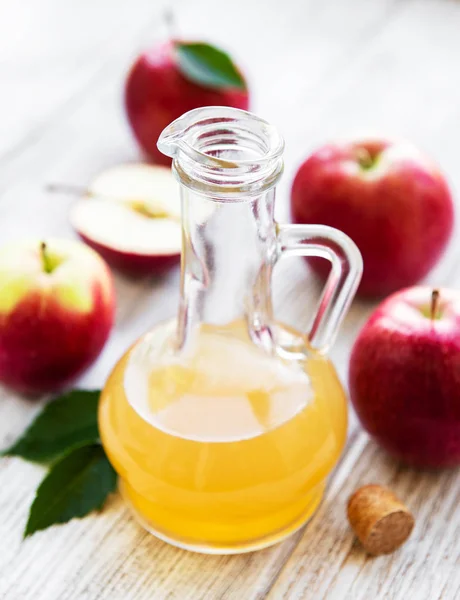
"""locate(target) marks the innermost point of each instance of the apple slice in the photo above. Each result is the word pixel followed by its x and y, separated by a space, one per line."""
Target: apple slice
pixel 131 216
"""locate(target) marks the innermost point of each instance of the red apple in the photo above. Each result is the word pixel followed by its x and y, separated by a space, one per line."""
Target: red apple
pixel 405 376
pixel 389 198
pixel 131 216
pixel 56 312
pixel 173 78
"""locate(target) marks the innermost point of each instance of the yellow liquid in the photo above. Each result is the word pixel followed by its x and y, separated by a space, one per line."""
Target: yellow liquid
pixel 223 449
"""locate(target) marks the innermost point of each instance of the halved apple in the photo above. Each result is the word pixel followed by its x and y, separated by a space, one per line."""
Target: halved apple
pixel 131 216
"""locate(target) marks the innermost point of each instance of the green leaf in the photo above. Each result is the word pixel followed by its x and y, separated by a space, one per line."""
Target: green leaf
pixel 69 421
pixel 76 485
pixel 206 65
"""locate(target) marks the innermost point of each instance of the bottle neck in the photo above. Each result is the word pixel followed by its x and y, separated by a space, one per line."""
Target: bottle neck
pixel 227 256
pixel 228 162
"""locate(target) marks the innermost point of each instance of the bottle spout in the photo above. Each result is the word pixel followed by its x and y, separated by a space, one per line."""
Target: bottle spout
pixel 188 132
pixel 223 148
pixel 169 142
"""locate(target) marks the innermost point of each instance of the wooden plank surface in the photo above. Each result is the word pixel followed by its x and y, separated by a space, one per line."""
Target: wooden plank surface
pixel 318 70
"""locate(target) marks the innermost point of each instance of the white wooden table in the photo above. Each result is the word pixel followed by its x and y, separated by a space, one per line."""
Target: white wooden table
pixel 318 69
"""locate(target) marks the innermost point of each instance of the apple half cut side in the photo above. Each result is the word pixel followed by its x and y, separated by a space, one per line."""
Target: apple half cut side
pixel 131 217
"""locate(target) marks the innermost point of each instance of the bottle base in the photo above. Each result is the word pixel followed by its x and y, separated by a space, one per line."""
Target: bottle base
pixel 233 548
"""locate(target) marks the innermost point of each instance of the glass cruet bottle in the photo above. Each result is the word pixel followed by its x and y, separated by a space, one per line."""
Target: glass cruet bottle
pixel 224 424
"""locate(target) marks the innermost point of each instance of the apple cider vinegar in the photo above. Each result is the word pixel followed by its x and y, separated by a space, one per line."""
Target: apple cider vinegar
pixel 225 446
pixel 222 424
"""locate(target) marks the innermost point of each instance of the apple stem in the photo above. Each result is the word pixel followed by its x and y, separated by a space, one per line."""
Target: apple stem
pixel 364 158
pixel 434 304
pixel 75 190
pixel 45 258
pixel 170 22
pixel 64 188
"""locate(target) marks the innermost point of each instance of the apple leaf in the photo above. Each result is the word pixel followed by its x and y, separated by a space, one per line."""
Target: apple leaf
pixel 75 485
pixel 67 422
pixel 208 66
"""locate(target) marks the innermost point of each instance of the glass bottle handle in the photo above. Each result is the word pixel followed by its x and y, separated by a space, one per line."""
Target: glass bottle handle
pixel 339 290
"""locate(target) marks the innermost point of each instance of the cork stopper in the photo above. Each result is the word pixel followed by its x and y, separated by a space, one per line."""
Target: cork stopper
pixel 379 519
